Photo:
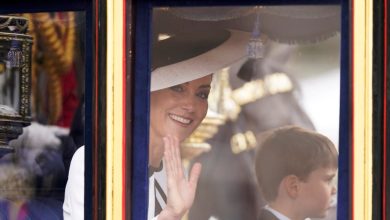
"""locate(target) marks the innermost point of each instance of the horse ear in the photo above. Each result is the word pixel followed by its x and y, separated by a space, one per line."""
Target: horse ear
pixel 247 70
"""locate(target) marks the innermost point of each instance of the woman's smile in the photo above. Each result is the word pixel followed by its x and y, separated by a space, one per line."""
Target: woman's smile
pixel 181 120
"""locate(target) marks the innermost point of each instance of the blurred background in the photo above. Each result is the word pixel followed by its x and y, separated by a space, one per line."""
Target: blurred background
pixel 290 77
pixel 34 167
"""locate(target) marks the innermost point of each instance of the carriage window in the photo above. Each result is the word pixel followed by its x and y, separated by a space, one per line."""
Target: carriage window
pixel 42 69
pixel 271 78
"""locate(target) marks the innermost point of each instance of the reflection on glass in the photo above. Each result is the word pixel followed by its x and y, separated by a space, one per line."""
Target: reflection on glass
pixel 33 176
pixel 9 76
pixel 15 71
pixel 290 76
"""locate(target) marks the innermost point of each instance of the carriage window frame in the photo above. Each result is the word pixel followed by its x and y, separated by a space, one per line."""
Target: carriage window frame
pixel 140 94
pixel 136 80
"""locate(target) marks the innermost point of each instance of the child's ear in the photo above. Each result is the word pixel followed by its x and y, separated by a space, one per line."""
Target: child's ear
pixel 291 185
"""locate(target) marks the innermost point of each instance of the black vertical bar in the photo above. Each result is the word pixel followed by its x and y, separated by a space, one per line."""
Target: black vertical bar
pixel 140 110
pixel 377 116
pixel 386 132
pixel 88 129
pixel 130 42
pixel 345 131
pixel 98 151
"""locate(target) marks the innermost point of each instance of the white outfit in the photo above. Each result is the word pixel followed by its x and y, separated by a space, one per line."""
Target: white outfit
pixel 154 194
pixel 73 208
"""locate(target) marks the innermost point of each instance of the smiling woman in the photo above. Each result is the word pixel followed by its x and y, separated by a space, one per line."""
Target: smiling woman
pixel 176 111
pixel 182 66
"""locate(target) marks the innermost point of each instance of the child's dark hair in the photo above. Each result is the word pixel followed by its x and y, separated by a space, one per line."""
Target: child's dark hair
pixel 291 150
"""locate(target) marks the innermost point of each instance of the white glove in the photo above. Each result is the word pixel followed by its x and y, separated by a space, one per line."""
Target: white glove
pixel 38 147
pixel 38 136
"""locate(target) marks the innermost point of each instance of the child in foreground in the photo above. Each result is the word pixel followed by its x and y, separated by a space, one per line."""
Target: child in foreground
pixel 295 169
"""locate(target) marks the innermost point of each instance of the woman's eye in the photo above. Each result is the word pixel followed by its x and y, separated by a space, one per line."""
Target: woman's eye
pixel 329 181
pixel 177 88
pixel 203 95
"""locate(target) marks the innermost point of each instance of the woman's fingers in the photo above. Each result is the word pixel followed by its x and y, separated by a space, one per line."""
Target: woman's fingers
pixel 175 163
pixel 194 175
pixel 181 191
pixel 177 158
pixel 168 157
pixel 172 161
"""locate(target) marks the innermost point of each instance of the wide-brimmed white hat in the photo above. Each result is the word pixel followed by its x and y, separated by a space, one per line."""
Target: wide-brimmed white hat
pixel 185 56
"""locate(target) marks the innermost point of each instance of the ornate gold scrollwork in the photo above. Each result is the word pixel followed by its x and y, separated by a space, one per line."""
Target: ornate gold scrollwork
pixel 243 141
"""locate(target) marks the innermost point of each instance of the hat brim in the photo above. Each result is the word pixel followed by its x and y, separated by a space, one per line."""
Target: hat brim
pixel 229 52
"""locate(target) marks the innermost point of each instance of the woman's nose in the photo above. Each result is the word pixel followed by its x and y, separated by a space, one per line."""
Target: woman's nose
pixel 189 103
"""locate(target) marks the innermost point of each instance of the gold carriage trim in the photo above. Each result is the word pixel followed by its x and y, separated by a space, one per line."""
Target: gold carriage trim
pixel 270 85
